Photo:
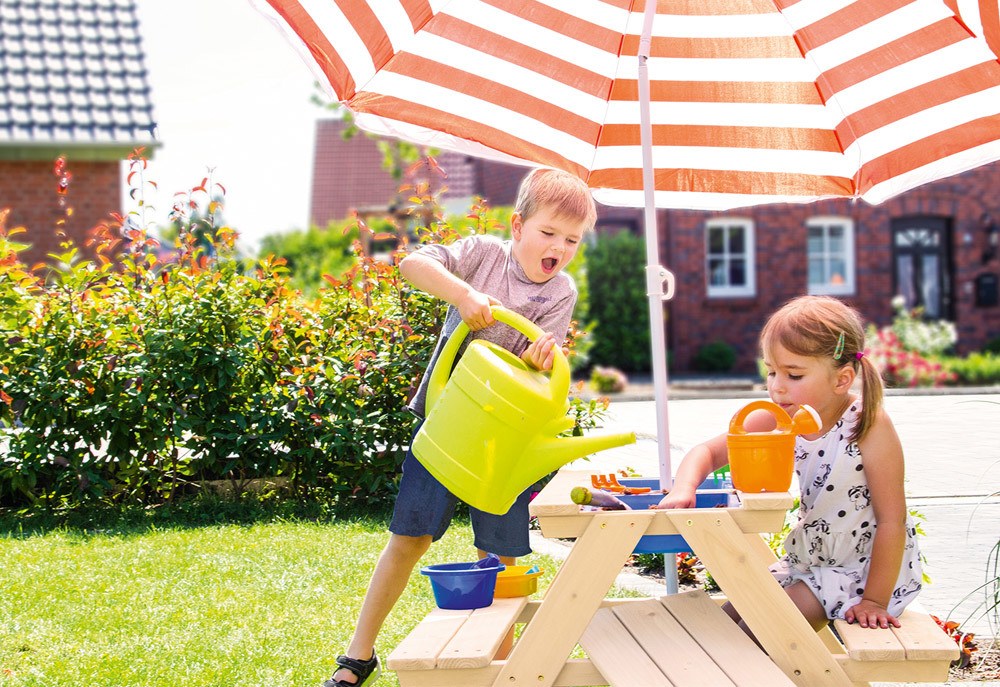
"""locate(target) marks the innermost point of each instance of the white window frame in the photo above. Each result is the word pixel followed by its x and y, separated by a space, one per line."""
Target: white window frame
pixel 728 290
pixel 848 288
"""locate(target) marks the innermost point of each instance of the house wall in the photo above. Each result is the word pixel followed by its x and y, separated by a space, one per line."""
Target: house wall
pixel 28 189
pixel 694 319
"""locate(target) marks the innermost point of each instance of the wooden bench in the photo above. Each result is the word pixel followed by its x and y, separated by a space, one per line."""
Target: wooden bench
pixel 918 651
pixel 683 640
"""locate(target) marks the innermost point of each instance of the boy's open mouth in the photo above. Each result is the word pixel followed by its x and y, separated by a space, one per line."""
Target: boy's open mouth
pixel 549 264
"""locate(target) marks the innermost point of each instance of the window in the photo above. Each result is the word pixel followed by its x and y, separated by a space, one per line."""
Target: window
pixel 729 257
pixel 830 242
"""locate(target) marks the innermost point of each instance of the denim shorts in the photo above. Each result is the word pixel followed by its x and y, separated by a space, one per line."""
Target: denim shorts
pixel 424 506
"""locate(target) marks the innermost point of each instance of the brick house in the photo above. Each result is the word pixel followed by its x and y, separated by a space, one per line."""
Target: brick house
pixel 935 245
pixel 72 83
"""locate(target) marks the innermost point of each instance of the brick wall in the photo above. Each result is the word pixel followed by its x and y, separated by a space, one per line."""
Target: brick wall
pixel 348 176
pixel 694 319
pixel 28 189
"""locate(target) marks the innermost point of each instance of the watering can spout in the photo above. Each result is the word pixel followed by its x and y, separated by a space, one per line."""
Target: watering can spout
pixel 550 454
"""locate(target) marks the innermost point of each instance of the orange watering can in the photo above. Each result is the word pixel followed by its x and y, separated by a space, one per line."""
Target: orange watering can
pixel 764 461
pixel 490 428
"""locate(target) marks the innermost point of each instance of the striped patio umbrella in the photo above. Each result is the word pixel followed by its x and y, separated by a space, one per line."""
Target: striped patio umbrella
pixel 701 104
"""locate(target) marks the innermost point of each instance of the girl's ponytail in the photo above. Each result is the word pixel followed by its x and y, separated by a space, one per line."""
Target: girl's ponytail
pixel 871 396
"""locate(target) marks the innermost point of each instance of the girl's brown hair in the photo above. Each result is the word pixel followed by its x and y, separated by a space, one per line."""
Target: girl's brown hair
pixel 826 328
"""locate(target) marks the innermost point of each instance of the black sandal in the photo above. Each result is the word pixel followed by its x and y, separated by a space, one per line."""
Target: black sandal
pixel 366 671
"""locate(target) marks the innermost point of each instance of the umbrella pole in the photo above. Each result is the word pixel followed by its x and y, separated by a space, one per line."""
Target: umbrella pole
pixel 656 277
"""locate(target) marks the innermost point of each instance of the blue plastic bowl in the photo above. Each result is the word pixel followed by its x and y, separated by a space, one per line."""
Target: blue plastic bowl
pixel 459 586
pixel 669 543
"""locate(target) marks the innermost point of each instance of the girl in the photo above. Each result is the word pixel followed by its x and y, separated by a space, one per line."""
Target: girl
pixel 853 552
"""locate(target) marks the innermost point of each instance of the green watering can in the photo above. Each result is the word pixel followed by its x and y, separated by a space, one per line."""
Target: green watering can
pixel 490 429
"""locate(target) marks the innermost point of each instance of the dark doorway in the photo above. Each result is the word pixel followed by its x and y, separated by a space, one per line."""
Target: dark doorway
pixel 921 249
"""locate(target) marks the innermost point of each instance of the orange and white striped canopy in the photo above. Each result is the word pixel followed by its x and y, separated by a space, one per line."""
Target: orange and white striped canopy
pixel 751 101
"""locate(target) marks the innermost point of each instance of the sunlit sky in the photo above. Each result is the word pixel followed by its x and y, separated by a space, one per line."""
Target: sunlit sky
pixel 232 95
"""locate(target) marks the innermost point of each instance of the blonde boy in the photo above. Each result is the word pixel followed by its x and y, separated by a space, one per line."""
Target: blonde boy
pixel 554 211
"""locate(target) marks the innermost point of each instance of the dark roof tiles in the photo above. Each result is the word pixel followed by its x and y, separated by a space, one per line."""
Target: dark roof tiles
pixel 73 71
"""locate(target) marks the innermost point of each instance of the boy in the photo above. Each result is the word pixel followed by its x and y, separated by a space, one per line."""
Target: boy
pixel 553 212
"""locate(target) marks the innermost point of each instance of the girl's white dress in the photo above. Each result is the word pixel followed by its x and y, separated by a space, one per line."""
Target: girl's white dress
pixel 830 546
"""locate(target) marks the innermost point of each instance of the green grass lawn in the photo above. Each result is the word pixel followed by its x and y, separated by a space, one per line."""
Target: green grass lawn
pixel 197 598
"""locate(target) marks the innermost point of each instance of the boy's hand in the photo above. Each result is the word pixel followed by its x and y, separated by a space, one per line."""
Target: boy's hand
pixel 679 497
pixel 475 311
pixel 541 352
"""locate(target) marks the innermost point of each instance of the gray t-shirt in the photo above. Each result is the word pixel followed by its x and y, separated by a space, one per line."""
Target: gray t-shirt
pixel 487 264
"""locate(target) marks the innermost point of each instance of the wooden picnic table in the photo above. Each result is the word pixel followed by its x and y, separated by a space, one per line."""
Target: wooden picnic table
pixel 683 639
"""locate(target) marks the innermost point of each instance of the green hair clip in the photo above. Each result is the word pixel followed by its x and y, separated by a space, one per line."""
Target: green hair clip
pixel 839 350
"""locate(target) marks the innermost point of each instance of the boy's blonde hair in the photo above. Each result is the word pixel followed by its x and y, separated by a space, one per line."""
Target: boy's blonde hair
pixel 826 328
pixel 565 193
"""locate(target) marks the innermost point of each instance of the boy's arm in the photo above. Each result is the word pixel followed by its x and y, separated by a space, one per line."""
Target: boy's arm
pixel 429 275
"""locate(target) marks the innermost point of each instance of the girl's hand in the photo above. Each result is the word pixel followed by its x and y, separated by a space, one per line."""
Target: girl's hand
pixel 870 614
pixel 679 497
pixel 541 352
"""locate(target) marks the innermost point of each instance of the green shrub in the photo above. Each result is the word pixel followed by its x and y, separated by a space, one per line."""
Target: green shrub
pixel 619 308
pixel 992 346
pixel 976 369
pixel 314 252
pixel 136 380
pixel 715 356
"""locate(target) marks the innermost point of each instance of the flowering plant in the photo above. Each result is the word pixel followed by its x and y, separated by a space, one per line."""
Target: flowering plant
pixel 900 350
pixel 928 337
pixel 902 367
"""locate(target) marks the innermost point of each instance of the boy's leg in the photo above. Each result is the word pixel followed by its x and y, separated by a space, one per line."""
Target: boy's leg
pixel 507 537
pixel 421 515
pixel 392 572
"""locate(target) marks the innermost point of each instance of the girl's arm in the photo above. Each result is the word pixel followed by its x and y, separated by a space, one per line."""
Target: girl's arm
pixel 703 459
pixel 883 461
pixel 693 470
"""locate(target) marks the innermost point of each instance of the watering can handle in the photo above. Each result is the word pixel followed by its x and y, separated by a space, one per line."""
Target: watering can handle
pixel 442 368
pixel 784 422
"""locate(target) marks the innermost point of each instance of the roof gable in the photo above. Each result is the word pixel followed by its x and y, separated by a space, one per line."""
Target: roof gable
pixel 72 74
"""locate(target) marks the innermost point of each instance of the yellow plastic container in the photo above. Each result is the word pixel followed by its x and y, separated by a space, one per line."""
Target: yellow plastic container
pixel 516 581
pixel 765 461
pixel 491 428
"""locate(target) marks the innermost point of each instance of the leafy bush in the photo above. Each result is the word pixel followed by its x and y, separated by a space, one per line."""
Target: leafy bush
pixel 312 253
pixel 992 346
pixel 715 356
pixel 137 380
pixel 976 369
pixel 619 308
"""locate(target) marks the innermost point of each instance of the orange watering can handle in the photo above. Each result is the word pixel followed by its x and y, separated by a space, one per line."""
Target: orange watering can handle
pixel 442 368
pixel 784 422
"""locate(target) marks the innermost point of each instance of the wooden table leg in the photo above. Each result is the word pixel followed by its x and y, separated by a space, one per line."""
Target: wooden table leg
pixel 572 599
pixel 741 571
